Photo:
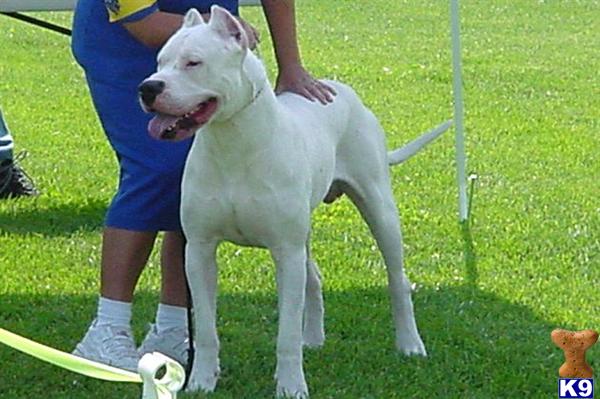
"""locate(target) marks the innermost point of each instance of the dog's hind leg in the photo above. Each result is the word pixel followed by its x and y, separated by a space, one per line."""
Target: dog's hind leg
pixel 374 199
pixel 313 334
pixel 368 185
pixel 201 271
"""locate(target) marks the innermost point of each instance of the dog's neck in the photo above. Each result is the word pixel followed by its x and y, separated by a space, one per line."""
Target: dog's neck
pixel 255 77
pixel 252 124
pixel 257 91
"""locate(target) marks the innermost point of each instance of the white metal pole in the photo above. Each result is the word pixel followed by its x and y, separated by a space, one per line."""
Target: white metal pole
pixel 461 158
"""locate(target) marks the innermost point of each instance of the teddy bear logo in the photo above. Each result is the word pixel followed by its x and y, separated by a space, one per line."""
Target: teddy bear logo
pixel 574 344
pixel 113 5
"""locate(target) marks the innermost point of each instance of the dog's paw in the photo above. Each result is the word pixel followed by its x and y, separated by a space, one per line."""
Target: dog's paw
pixel 296 390
pixel 290 380
pixel 203 378
pixel 411 345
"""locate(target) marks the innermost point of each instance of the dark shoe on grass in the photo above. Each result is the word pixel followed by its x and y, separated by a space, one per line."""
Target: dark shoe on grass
pixel 14 182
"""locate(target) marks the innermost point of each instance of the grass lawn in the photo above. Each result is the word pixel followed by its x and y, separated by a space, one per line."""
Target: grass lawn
pixel 486 297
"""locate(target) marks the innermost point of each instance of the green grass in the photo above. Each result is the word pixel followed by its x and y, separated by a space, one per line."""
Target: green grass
pixel 487 297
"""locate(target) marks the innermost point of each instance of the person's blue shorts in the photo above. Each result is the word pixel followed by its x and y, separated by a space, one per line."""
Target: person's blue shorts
pixel 115 64
pixel 149 191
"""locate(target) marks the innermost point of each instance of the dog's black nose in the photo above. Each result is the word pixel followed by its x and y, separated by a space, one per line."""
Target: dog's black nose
pixel 149 89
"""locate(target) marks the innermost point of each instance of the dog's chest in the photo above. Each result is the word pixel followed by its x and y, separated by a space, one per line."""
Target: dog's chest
pixel 248 204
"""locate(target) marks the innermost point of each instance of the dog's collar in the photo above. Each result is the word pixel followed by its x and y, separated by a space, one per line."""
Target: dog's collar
pixel 254 97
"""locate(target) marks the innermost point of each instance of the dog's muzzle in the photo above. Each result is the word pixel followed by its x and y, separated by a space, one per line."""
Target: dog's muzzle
pixel 149 90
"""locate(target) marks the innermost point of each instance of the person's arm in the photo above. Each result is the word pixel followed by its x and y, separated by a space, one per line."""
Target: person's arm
pixel 143 20
pixel 281 18
pixel 155 29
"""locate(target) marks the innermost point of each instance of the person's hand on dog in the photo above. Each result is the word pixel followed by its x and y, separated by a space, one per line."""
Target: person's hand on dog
pixel 298 80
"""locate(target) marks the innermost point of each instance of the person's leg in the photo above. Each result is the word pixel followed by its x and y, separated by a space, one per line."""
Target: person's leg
pixel 109 339
pixel 6 141
pixel 170 333
pixel 14 182
pixel 129 235
pixel 174 286
pixel 124 255
pixel 147 200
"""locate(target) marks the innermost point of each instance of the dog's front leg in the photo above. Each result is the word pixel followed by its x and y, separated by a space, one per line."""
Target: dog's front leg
pixel 291 281
pixel 201 271
pixel 314 333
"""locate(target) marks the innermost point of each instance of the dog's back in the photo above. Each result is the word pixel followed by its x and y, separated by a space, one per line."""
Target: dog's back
pixel 345 126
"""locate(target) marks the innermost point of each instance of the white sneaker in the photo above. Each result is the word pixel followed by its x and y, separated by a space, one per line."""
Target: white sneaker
pixel 111 345
pixel 173 342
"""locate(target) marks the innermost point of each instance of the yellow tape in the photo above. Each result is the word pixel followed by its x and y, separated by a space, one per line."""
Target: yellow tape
pixel 163 388
pixel 66 360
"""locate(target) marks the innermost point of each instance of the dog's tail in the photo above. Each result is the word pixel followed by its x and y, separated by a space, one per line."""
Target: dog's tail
pixel 402 154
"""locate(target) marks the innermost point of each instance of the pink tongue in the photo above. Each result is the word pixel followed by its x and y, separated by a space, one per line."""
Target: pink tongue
pixel 160 123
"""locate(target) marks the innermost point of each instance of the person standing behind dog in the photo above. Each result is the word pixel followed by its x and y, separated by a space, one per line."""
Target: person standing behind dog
pixel 116 43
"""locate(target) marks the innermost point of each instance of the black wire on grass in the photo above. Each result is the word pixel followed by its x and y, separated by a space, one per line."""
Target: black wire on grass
pixel 38 22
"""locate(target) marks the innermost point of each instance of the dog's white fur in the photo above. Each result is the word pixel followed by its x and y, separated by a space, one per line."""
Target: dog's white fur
pixel 254 174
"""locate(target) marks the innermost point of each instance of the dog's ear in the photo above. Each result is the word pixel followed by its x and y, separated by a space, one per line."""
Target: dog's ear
pixel 192 18
pixel 228 26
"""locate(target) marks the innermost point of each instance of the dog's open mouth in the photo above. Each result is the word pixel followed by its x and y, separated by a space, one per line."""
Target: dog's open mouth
pixel 171 127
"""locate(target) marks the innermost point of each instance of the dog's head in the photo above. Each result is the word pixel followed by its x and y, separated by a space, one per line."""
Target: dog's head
pixel 199 76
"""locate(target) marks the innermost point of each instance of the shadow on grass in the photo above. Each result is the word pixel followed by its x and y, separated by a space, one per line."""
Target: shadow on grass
pixel 469 255
pixel 64 219
pixel 480 346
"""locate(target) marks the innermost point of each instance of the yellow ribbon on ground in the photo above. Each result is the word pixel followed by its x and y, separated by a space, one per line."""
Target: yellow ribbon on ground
pixel 163 388
pixel 68 361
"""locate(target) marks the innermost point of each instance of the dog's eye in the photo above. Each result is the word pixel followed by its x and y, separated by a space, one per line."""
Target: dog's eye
pixel 192 64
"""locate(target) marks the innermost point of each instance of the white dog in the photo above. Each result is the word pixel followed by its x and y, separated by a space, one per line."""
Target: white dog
pixel 259 165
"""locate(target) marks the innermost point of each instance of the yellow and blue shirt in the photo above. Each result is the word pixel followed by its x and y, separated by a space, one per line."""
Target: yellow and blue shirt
pixel 104 47
pixel 120 11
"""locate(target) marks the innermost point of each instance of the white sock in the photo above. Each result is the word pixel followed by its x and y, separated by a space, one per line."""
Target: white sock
pixel 115 313
pixel 168 316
